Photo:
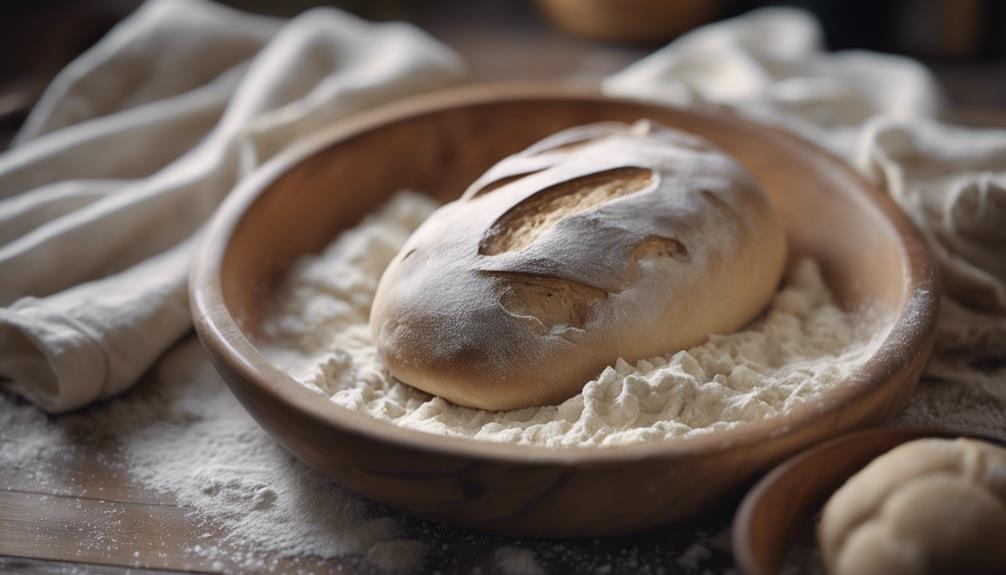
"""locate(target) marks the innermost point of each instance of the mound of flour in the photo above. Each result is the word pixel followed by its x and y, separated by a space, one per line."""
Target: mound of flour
pixel 317 330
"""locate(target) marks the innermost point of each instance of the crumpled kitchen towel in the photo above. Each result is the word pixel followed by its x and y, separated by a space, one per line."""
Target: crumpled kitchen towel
pixel 952 181
pixel 771 65
pixel 881 113
pixel 132 147
pixel 136 142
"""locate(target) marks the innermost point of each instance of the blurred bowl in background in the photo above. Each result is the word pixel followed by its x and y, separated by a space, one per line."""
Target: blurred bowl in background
pixel 630 20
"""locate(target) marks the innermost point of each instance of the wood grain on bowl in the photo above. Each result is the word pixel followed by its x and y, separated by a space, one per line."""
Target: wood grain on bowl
pixel 784 502
pixel 439 143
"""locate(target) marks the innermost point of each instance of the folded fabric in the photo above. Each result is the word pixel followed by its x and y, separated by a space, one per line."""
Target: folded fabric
pixel 134 145
pixel 879 112
pixel 130 150
pixel 952 181
pixel 772 65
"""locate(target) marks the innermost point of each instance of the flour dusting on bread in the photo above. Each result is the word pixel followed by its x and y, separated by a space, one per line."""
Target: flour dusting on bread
pixel 805 344
pixel 598 242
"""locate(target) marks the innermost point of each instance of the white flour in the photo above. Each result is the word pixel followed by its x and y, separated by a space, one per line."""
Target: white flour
pixel 317 330
pixel 182 436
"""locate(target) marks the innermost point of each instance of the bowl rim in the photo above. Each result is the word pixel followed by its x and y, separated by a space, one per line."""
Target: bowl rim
pixel 220 333
pixel 745 557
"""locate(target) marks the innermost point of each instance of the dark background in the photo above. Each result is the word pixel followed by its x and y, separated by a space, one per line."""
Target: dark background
pixel 963 41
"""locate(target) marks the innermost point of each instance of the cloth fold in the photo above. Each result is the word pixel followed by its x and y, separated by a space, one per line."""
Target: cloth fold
pixel 136 142
pixel 882 114
pixel 131 149
pixel 952 181
pixel 771 64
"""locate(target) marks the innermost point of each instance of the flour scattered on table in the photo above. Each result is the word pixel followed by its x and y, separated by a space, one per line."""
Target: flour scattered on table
pixel 398 554
pixel 517 561
pixel 241 476
pixel 186 438
pixel 180 437
pixel 317 329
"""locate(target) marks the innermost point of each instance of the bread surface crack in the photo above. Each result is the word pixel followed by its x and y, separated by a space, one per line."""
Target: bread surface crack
pixel 552 305
pixel 520 226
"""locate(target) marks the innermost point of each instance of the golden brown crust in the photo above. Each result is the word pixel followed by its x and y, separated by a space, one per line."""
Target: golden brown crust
pixel 600 242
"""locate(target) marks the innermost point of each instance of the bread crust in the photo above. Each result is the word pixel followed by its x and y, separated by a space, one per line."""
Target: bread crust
pixel 599 242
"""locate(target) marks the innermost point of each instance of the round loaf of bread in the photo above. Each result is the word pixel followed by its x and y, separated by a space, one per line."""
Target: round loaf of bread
pixel 600 242
pixel 930 506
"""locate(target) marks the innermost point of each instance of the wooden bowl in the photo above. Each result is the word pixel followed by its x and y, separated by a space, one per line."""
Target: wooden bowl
pixel 784 502
pixel 630 20
pixel 301 200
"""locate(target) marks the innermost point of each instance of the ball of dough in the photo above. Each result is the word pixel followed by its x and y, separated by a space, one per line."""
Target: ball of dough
pixel 930 506
pixel 600 242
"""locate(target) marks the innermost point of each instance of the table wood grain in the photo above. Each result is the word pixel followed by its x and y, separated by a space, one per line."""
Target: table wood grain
pixel 87 516
pixel 87 513
pixel 90 518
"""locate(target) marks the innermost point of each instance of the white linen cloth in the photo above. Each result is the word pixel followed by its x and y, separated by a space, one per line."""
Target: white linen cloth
pixel 879 112
pixel 132 147
pixel 136 142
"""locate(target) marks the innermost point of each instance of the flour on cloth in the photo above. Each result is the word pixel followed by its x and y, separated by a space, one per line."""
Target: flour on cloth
pixel 952 181
pixel 186 403
pixel 130 150
pixel 317 329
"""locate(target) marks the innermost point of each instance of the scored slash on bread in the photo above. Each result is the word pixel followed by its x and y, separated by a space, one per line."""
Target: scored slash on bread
pixel 599 242
pixel 526 221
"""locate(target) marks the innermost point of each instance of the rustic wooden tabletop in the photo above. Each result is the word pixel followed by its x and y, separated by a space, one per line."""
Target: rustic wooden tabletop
pixel 93 519
pixel 128 529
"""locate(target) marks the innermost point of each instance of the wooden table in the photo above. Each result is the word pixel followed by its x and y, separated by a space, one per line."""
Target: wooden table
pixel 42 527
pixel 93 518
